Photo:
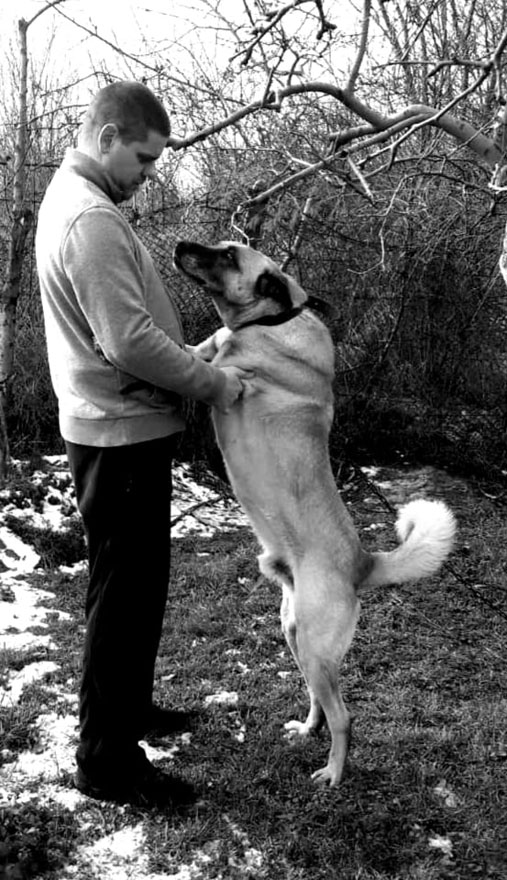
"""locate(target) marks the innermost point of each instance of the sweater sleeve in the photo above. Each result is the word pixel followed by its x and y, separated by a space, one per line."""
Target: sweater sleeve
pixel 100 260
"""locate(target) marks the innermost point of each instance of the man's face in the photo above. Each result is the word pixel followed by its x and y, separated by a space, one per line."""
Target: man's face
pixel 129 165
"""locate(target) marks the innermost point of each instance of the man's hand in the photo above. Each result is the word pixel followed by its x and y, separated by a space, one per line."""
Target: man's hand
pixel 236 379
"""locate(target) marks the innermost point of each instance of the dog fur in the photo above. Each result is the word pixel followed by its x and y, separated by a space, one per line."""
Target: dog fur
pixel 274 441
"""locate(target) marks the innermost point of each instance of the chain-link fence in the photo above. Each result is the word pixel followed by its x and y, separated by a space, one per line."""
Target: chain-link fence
pixel 421 361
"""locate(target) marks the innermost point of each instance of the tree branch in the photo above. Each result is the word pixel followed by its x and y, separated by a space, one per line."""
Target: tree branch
pixel 51 5
pixel 156 69
pixel 275 18
pixel 272 102
pixel 412 118
pixel 363 44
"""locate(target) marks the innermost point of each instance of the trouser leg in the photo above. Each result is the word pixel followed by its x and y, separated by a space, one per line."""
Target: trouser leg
pixel 124 496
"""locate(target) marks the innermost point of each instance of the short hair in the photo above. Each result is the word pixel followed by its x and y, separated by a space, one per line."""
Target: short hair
pixel 132 107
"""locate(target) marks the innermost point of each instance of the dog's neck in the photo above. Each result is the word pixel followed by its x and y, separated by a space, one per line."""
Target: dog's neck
pixel 313 302
pixel 273 320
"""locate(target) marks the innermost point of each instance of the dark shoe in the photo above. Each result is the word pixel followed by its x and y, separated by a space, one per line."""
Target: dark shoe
pixel 163 722
pixel 149 787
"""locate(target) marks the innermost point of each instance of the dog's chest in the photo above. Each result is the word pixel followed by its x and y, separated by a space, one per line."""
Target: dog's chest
pixel 298 360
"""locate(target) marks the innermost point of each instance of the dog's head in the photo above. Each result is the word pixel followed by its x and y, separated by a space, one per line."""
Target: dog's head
pixel 244 283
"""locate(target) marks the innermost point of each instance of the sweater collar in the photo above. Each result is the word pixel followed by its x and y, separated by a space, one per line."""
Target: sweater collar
pixel 90 169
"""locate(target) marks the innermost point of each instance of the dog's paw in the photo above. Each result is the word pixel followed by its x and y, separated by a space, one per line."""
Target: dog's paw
pixel 204 352
pixel 297 729
pixel 221 336
pixel 326 776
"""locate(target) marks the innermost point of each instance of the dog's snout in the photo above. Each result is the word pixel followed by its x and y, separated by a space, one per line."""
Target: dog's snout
pixel 191 253
pixel 195 260
pixel 185 256
pixel 181 249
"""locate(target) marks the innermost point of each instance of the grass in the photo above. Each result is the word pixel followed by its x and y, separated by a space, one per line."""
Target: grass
pixel 426 784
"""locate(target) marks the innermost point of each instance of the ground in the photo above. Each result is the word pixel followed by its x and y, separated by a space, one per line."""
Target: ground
pixel 425 792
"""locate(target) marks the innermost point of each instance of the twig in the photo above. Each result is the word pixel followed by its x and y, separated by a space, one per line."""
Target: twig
pixel 157 69
pixel 51 5
pixel 190 511
pixel 302 223
pixel 275 18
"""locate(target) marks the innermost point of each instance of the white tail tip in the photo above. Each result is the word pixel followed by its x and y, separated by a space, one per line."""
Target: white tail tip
pixel 426 530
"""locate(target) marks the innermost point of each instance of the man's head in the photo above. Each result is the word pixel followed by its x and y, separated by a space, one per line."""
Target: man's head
pixel 125 129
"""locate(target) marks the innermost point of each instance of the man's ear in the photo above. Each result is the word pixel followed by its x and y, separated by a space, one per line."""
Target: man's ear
pixel 107 135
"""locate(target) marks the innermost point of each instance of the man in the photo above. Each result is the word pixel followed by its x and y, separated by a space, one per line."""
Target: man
pixel 119 368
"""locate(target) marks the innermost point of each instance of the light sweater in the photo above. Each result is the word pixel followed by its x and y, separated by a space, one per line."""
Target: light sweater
pixel 115 346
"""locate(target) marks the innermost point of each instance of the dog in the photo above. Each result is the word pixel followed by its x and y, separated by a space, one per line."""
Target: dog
pixel 274 441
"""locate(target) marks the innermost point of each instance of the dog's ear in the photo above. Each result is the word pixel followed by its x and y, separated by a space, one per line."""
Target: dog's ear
pixel 273 286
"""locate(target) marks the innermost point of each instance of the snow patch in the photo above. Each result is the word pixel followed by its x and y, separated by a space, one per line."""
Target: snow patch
pixel 17 681
pixel 15 556
pixel 54 756
pixel 224 698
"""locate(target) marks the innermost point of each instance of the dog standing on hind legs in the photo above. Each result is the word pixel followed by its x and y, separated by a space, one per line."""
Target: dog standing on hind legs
pixel 274 441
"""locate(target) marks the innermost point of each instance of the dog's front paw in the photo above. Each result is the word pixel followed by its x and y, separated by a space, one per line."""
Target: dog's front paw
pixel 206 351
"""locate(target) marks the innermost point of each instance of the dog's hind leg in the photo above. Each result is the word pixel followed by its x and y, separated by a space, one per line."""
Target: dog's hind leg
pixel 274 567
pixel 322 641
pixel 339 724
pixel 315 717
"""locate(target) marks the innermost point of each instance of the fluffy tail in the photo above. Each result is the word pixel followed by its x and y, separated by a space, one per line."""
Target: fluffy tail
pixel 426 530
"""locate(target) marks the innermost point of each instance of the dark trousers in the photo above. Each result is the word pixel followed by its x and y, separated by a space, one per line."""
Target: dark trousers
pixel 124 497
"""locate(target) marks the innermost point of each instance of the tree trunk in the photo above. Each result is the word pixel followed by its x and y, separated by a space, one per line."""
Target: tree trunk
pixel 21 225
pixel 8 301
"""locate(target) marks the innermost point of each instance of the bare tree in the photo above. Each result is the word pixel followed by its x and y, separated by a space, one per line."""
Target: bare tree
pixel 22 221
pixel 370 132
